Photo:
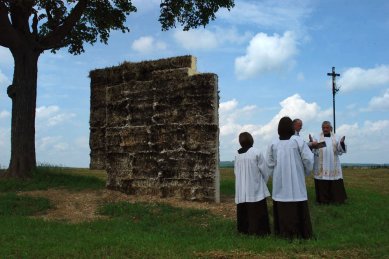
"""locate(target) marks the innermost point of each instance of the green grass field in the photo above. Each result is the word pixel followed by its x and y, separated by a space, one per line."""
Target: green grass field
pixel 357 229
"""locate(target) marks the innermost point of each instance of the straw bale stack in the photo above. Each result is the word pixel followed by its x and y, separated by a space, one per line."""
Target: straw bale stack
pixel 154 128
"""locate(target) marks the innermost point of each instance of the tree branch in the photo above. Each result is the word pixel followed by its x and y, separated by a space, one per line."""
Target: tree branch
pixel 55 37
pixel 34 25
pixel 20 13
pixel 8 35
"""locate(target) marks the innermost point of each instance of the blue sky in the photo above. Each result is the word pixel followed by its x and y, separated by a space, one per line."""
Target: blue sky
pixel 271 57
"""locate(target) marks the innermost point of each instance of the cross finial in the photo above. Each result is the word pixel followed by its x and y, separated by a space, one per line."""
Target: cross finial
pixel 334 91
pixel 334 75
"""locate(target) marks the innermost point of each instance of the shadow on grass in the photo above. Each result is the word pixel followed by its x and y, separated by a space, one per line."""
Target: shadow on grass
pixel 15 205
pixel 45 177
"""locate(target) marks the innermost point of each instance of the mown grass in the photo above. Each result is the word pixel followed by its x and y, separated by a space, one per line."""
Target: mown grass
pixel 46 177
pixel 356 229
pixel 15 205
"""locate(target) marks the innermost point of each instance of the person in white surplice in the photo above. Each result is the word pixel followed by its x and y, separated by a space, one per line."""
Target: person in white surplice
pixel 251 175
pixel 328 174
pixel 297 126
pixel 289 160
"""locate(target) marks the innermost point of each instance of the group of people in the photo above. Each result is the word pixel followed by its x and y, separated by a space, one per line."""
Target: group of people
pixel 288 160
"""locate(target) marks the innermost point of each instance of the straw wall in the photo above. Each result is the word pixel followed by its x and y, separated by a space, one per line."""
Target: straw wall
pixel 154 128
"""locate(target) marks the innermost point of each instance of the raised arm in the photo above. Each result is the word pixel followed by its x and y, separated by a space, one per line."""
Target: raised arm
pixel 341 146
pixel 313 145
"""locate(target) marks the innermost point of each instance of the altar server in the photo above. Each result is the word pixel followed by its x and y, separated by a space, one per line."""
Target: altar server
pixel 250 188
pixel 290 160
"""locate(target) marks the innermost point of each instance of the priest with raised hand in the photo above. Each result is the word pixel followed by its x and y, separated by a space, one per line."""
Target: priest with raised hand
pixel 328 174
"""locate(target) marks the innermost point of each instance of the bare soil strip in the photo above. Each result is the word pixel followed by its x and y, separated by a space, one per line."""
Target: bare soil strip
pixel 76 207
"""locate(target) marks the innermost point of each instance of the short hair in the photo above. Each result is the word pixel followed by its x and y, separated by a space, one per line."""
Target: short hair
pixel 326 123
pixel 246 140
pixel 285 128
pixel 296 120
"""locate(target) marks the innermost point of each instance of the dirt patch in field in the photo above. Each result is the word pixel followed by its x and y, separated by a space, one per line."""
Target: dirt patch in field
pixel 76 207
pixel 333 254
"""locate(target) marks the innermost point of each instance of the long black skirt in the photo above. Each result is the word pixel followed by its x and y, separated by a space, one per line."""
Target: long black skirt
pixel 292 219
pixel 330 191
pixel 253 218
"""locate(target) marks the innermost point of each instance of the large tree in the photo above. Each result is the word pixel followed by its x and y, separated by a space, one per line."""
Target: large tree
pixel 30 27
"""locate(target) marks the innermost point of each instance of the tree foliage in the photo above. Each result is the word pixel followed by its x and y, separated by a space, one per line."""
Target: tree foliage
pixel 30 27
pixel 190 14
pixel 54 24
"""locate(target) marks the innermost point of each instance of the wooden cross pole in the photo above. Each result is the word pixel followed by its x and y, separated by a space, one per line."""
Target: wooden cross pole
pixel 334 90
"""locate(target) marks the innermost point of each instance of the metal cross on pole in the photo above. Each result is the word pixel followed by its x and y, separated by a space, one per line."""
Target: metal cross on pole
pixel 334 90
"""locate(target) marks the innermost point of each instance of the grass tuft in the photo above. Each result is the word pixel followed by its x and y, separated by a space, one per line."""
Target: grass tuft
pixel 14 205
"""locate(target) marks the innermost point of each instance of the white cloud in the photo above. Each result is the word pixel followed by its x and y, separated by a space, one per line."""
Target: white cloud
pixel 45 112
pixel 375 134
pixel 368 141
pixel 281 15
pixel 51 116
pixel 196 39
pixel 210 39
pixel 356 78
pixel 49 143
pixel 227 106
pixel 294 107
pixel 4 114
pixel 230 117
pixel 148 44
pixel 57 150
pixel 60 118
pixel 266 54
pixel 380 103
pixel 232 120
pixel 43 143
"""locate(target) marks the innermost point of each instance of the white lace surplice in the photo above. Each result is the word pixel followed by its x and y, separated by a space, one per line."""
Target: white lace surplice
pixel 327 165
pixel 251 175
pixel 289 161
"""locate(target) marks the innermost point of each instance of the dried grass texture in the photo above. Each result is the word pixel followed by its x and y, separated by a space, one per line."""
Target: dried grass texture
pixel 77 207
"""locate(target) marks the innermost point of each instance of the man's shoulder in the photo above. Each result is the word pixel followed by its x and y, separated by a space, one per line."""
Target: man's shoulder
pixel 297 139
pixel 255 151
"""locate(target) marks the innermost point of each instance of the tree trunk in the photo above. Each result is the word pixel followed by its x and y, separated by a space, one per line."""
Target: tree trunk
pixel 23 92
